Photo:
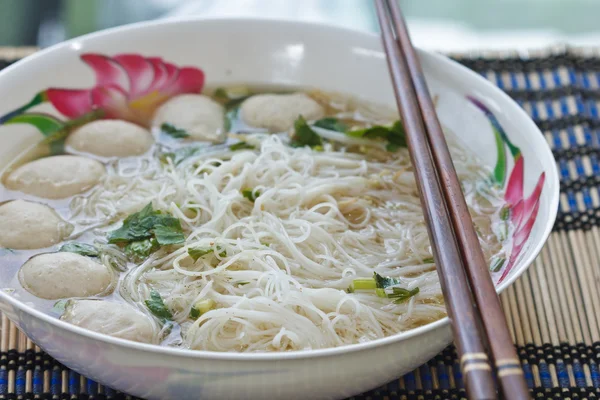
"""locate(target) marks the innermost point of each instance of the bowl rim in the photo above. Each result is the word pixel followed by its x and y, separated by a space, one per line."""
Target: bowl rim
pixel 546 153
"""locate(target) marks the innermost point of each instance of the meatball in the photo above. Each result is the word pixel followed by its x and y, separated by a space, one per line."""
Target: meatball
pixel 111 138
pixel 199 116
pixel 277 112
pixel 28 225
pixel 60 275
pixel 110 318
pixel 56 177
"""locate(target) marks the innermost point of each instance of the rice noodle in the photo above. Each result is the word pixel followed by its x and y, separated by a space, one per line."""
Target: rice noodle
pixel 321 220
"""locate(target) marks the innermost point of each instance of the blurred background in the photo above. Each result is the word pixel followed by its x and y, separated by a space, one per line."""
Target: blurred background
pixel 443 25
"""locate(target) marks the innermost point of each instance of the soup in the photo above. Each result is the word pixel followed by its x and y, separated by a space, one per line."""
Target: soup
pixel 247 220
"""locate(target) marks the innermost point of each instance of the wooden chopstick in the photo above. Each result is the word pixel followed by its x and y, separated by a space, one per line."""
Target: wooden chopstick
pixel 475 366
pixel 508 366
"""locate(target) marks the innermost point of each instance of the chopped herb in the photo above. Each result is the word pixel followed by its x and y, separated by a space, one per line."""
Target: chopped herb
pixel 220 94
pixel 384 282
pixel 83 249
pixel 242 283
pixel 250 194
pixel 174 132
pixel 141 249
pixel 395 135
pixel 231 101
pixel 167 230
pixel 304 135
pixel 362 284
pixel 194 313
pixel 241 146
pixel 392 147
pixel 401 295
pixel 383 287
pixel 497 264
pixel 332 124
pixel 227 122
pixel 231 97
pixel 197 252
pixel 157 307
pixel 179 155
pixel 428 260
pixel 201 307
pixel 59 306
pixel 505 213
pixel 145 231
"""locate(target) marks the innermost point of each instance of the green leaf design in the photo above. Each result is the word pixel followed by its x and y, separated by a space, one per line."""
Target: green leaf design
pixel 497 263
pixel 37 99
pixel 45 123
pixel 500 169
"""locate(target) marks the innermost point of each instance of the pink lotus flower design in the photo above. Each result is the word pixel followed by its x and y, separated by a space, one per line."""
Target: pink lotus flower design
pixel 128 87
pixel 522 210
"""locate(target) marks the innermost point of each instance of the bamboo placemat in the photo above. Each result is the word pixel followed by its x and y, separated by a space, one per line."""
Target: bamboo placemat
pixel 553 310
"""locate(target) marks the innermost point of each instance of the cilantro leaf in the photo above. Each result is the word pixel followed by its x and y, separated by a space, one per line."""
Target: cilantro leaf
pixel 332 124
pixel 250 194
pixel 173 131
pixel 145 231
pixel 157 307
pixel 141 249
pixel 135 227
pixel 395 135
pixel 167 230
pixel 241 146
pixel 304 135
pixel 83 249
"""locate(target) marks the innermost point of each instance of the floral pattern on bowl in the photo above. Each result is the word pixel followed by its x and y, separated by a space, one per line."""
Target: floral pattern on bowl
pixel 128 86
pixel 522 211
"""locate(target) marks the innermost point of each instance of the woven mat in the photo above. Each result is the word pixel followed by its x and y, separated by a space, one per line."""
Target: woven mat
pixel 553 310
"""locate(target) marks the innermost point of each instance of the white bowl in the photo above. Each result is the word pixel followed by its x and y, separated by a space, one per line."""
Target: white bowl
pixel 279 53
